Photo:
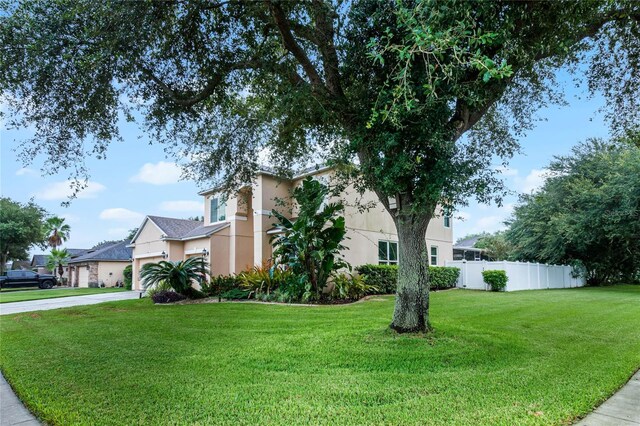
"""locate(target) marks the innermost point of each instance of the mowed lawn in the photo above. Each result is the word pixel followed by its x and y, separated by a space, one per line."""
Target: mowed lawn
pixel 533 357
pixel 24 295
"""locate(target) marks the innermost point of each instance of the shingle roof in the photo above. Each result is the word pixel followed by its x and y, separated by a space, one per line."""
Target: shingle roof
pixel 205 231
pixel 39 260
pixel 469 242
pixel 175 228
pixel 114 252
pixel 77 252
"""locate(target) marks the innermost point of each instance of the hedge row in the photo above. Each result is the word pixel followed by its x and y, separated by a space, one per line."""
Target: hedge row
pixel 385 277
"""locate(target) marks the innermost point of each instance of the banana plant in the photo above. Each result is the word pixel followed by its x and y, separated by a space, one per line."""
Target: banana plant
pixel 310 246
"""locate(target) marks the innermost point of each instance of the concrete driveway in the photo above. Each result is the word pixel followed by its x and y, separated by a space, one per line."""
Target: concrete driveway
pixel 65 302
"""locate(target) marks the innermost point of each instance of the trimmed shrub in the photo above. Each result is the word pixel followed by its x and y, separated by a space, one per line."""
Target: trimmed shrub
pixel 128 276
pixel 165 296
pixel 385 277
pixel 497 279
pixel 443 277
pixel 220 284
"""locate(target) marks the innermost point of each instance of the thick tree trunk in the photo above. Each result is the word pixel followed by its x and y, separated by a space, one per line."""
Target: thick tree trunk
pixel 411 312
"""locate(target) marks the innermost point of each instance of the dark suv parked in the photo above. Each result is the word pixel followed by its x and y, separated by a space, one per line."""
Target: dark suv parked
pixel 27 279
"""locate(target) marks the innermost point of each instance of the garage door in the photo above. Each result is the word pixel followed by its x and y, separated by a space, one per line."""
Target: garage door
pixel 83 277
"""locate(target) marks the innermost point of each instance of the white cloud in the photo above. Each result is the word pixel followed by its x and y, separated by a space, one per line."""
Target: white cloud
pixel 182 206
pixel 25 171
pixel 63 190
pixel 534 180
pixel 161 173
pixel 122 215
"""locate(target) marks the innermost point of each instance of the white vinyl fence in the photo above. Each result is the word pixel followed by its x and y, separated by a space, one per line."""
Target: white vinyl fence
pixel 522 276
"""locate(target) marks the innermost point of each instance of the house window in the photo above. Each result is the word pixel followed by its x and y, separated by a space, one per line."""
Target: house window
pixel 387 252
pixel 434 255
pixel 447 218
pixel 218 209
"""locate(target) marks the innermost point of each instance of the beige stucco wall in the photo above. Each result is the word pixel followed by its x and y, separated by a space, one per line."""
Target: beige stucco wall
pixel 137 265
pixel 116 270
pixel 266 190
pixel 149 240
pixel 219 253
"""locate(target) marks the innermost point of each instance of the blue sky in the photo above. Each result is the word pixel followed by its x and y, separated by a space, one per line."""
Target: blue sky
pixel 137 178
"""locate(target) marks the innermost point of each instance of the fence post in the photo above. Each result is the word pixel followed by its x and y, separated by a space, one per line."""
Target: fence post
pixel 548 283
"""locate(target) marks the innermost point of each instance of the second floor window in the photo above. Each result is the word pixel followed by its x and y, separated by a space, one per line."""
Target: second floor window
pixel 447 218
pixel 218 209
pixel 387 252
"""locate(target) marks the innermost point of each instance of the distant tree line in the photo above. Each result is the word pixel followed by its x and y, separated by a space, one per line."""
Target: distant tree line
pixel 587 215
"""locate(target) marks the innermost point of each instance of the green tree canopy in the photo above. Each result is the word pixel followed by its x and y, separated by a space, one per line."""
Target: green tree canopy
pixel 587 212
pixel 496 246
pixel 392 84
pixel 21 227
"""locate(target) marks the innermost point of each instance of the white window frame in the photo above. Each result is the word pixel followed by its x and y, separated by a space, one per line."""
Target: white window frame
pixel 220 201
pixel 432 256
pixel 387 261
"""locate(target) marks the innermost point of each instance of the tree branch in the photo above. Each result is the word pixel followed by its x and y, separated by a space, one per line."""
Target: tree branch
pixel 292 46
pixel 188 100
pixel 324 35
pixel 180 98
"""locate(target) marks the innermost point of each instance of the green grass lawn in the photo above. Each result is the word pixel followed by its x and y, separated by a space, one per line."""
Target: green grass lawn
pixel 21 296
pixel 531 357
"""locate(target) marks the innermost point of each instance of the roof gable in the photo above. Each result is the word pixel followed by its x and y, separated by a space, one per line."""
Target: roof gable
pixel 175 228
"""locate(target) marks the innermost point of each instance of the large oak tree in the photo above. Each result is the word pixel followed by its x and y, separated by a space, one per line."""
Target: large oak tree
pixel 392 86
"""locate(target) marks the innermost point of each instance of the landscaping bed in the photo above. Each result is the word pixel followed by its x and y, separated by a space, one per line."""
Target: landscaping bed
pixel 539 357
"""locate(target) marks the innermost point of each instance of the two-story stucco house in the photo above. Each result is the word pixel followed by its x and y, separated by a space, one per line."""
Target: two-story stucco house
pixel 236 232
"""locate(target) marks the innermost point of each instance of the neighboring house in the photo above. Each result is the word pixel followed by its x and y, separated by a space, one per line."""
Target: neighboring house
pixel 465 250
pixel 39 262
pixel 236 233
pixel 18 265
pixel 101 266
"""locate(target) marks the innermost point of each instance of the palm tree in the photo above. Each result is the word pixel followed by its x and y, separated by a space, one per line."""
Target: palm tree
pixel 179 275
pixel 57 231
pixel 58 259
